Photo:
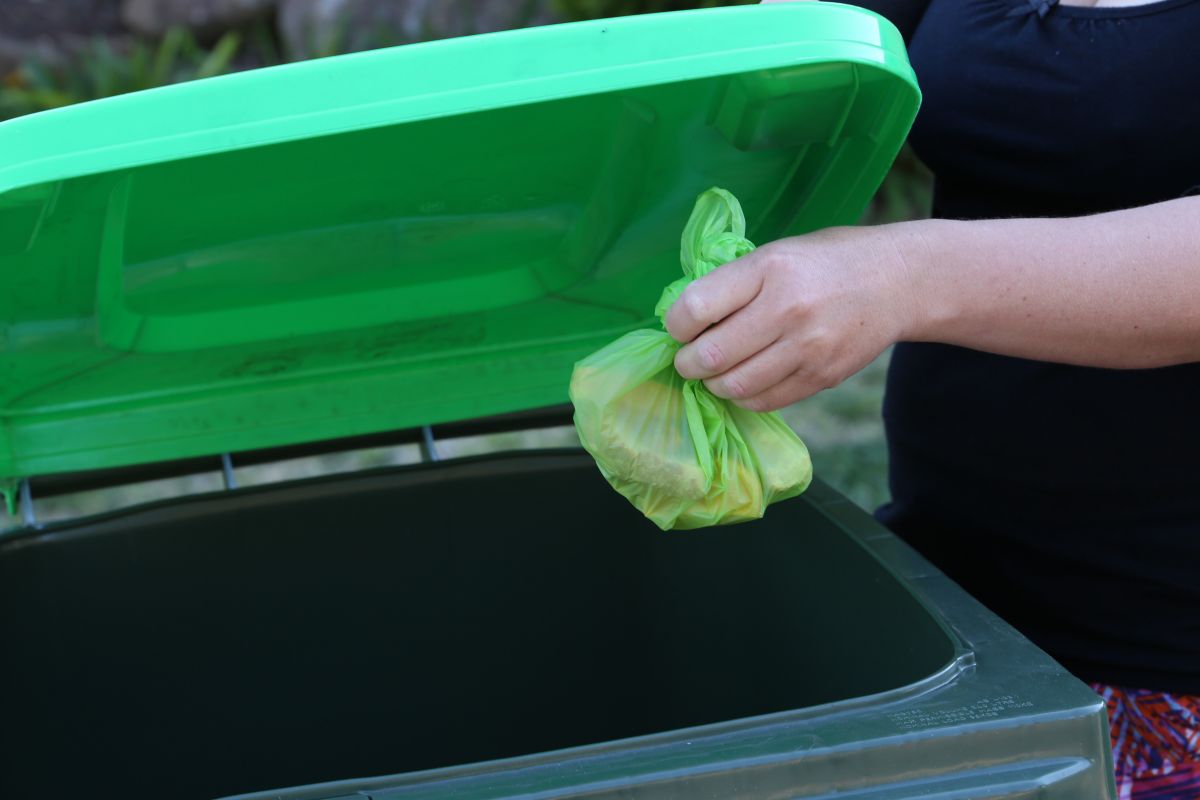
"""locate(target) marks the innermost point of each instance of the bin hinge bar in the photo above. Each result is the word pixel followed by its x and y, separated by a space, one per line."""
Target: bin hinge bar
pixel 28 516
pixel 428 447
pixel 227 471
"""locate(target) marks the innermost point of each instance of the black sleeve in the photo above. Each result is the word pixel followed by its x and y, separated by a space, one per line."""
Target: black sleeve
pixel 904 14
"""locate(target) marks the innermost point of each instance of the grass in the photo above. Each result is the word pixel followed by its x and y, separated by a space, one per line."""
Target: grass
pixel 99 70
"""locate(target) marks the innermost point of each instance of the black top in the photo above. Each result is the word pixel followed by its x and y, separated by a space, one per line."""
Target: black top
pixel 1067 499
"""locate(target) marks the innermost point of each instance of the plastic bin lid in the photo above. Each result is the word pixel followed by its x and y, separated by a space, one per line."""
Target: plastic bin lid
pixel 405 236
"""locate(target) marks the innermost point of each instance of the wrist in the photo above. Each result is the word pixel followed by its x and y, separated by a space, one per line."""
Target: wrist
pixel 924 293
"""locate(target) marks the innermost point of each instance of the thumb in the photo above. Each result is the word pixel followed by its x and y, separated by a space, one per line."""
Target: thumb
pixel 708 300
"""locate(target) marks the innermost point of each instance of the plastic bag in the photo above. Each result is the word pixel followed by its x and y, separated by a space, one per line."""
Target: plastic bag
pixel 683 456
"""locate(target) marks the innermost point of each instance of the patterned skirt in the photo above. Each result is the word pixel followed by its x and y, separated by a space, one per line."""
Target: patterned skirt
pixel 1156 743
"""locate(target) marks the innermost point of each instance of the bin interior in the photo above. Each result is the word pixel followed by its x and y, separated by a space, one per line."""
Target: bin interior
pixel 416 618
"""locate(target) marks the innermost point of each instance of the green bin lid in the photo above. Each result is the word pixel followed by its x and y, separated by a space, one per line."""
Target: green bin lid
pixel 405 236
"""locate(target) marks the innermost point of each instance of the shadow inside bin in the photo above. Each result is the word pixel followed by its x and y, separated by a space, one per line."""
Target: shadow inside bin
pixel 421 617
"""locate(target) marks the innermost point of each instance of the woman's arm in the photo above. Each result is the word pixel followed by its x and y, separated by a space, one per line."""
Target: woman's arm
pixel 799 315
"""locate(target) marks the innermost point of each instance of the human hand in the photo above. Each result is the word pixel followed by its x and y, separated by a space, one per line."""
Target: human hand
pixel 795 316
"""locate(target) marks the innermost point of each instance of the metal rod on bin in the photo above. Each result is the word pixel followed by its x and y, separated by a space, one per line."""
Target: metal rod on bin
pixel 27 514
pixel 428 447
pixel 227 471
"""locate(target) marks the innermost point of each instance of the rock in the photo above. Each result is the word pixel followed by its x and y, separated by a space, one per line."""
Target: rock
pixel 202 17
pixel 14 52
pixel 316 27
pixel 37 30
pixel 27 20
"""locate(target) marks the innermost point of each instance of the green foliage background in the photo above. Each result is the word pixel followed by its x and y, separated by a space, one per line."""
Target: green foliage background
pixel 596 9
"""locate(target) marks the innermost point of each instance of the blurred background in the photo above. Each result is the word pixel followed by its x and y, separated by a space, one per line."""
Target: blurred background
pixel 57 52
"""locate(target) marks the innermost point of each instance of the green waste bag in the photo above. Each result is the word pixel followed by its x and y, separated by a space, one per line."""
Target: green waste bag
pixel 683 456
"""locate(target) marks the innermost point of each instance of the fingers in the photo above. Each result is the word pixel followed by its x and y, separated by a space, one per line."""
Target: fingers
pixel 795 387
pixel 757 374
pixel 726 345
pixel 714 297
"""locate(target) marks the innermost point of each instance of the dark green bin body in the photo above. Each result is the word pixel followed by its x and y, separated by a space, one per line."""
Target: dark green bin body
pixel 384 624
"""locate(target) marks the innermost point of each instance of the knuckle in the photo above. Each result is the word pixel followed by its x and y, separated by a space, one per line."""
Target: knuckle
pixel 823 378
pixel 736 387
pixel 731 387
pixel 795 305
pixel 682 363
pixel 671 323
pixel 771 259
pixel 695 306
pixel 759 404
pixel 710 355
pixel 820 346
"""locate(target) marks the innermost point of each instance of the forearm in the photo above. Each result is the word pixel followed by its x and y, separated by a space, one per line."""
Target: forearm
pixel 1115 290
